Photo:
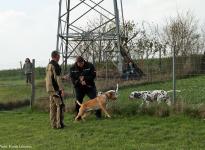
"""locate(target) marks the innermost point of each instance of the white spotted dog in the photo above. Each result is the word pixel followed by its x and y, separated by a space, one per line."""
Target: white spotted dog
pixel 152 96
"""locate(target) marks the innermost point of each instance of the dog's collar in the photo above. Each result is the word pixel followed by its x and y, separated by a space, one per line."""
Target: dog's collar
pixel 106 98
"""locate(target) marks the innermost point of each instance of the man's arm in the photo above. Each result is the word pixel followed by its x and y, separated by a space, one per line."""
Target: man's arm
pixel 73 77
pixel 58 79
pixel 49 84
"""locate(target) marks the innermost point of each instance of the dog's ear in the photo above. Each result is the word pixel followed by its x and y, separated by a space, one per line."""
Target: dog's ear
pixel 137 95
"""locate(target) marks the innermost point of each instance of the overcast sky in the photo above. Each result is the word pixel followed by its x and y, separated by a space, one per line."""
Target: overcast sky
pixel 28 27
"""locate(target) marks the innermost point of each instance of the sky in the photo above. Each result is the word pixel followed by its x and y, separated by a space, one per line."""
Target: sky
pixel 28 28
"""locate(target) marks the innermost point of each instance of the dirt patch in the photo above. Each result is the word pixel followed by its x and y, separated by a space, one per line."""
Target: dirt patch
pixel 42 103
pixel 14 105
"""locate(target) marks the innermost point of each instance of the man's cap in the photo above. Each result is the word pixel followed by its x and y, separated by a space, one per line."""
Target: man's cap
pixel 79 59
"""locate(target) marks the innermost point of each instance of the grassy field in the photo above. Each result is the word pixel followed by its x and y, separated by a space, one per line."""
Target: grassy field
pixel 118 133
pixel 18 90
pixel 13 87
pixel 191 93
pixel 127 129
pixel 191 89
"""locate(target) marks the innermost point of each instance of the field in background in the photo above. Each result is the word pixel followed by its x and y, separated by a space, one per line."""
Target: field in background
pixel 13 87
pixel 191 89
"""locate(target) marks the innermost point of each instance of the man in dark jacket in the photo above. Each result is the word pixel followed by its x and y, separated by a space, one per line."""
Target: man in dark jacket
pixel 82 74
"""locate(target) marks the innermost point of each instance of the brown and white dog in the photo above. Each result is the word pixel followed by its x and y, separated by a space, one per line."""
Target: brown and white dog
pixel 97 103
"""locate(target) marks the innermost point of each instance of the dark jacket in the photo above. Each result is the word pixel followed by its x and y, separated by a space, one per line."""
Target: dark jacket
pixel 88 71
pixel 27 67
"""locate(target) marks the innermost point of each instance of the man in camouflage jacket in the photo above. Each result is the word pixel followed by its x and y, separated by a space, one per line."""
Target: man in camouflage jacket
pixel 55 90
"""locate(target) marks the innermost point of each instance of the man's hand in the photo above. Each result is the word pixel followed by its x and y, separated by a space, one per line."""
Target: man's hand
pixel 82 80
pixel 65 77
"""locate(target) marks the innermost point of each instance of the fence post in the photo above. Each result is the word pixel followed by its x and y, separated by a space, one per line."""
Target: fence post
pixel 21 71
pixel 21 66
pixel 160 63
pixel 147 63
pixel 106 73
pixel 173 74
pixel 32 84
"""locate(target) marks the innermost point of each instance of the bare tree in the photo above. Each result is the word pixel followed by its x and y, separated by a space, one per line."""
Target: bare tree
pixel 202 46
pixel 182 32
pixel 148 42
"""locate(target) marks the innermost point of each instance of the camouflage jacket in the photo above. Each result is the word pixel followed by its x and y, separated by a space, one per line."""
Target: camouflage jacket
pixel 53 77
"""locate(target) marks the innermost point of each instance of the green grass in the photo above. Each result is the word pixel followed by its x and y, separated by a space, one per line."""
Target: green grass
pixel 13 87
pixel 127 129
pixel 192 92
pixel 16 74
pixel 120 133
pixel 191 89
pixel 11 91
pixel 18 90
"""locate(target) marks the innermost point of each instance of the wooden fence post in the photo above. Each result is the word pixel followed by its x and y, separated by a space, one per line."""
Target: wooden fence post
pixel 21 65
pixel 32 84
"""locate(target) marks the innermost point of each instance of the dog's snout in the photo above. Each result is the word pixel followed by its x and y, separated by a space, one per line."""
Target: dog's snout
pixel 131 96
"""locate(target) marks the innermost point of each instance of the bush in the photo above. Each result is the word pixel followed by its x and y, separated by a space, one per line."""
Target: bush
pixel 130 109
pixel 195 111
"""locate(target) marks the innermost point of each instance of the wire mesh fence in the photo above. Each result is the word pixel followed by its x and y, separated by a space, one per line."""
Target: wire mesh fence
pixel 190 80
pixel 189 72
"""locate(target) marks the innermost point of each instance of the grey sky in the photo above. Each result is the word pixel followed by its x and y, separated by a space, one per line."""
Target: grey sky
pixel 28 27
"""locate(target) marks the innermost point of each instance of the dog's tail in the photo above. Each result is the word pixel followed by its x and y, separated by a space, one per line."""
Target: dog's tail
pixel 117 88
pixel 78 102
pixel 116 91
pixel 173 91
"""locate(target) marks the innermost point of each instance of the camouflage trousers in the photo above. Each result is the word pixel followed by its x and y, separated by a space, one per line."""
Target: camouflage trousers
pixel 56 111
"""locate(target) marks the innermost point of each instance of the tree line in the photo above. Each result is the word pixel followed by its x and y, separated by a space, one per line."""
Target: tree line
pixel 148 40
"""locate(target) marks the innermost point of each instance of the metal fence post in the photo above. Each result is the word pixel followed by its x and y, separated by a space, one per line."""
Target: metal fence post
pixel 117 21
pixel 174 77
pixel 147 65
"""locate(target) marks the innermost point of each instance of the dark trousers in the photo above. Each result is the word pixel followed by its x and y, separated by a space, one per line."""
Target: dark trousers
pixel 91 92
pixel 28 78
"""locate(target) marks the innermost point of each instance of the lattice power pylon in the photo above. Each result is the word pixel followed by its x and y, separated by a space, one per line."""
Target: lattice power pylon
pixel 89 28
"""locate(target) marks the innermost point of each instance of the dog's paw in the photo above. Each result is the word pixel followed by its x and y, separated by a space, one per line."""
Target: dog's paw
pixel 108 116
pixel 76 121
